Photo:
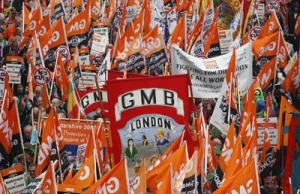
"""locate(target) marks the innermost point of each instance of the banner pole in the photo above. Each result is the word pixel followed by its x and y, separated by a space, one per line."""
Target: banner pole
pixel 105 124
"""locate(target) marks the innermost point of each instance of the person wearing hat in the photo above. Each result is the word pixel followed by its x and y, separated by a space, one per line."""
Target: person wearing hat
pixel 29 152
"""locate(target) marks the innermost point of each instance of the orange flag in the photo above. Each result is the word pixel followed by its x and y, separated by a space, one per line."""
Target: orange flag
pixel 167 185
pixel 138 185
pixel 48 184
pixel 213 37
pixel 244 181
pixel 138 23
pixel 34 21
pixel 235 162
pixel 43 26
pixel 179 36
pixel 48 138
pixel 189 170
pixel 45 98
pixel 61 78
pixel 86 175
pixel 267 47
pixel 178 159
pixel 283 53
pixel 272 25
pixel 227 149
pixel 117 176
pixel 266 75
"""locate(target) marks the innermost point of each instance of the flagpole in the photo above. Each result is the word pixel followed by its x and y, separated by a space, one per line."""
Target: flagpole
pixel 276 63
pixel 105 124
pixel 37 135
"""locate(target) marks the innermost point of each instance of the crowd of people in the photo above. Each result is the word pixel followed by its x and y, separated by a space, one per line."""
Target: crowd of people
pixel 11 31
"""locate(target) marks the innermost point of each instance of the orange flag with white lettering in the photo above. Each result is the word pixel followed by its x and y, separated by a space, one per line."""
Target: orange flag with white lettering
pixel 48 138
pixel 272 25
pixel 167 184
pixel 51 40
pixel 118 176
pixel 235 162
pixel 61 78
pixel 86 175
pixel 266 75
pixel 48 184
pixel 266 47
pixel 34 21
pixel 138 185
pixel 78 28
pixel 188 172
pixel 227 149
pixel 43 26
pixel 179 35
pixel 244 181
pixel 179 158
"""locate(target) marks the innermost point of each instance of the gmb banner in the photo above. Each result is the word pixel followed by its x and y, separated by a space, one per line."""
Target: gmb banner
pixel 207 75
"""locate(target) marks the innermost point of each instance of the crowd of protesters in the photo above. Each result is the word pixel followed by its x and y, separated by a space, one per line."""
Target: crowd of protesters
pixel 10 35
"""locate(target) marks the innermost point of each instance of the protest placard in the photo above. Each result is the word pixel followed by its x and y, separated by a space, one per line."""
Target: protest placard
pixel 14 179
pixel 13 67
pixel 261 122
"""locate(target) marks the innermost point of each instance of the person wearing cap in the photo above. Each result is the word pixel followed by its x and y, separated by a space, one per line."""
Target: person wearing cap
pixel 29 152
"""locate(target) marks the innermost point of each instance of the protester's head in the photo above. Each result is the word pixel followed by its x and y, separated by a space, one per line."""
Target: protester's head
pixel 269 185
pixel 35 113
pixel 18 21
pixel 27 131
pixel 10 41
pixel 32 170
pixel 29 152
pixel 39 102
pixel 18 31
pixel 37 91
pixel 20 89
pixel 55 102
pixel 7 3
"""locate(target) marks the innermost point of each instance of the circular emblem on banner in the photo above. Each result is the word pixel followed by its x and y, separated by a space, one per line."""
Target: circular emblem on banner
pixel 273 6
pixel 254 32
pixel 64 51
pixel 98 62
pixel 42 76
pixel 2 75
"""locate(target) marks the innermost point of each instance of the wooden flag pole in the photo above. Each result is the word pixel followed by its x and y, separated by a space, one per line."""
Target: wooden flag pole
pixel 104 120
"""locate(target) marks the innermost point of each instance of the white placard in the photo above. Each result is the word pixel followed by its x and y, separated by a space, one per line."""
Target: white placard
pixel 15 184
pixel 99 44
pixel 225 37
pixel 13 70
pixel 272 130
pixel 84 59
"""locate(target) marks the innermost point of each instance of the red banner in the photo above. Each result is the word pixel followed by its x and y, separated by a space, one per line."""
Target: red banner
pixel 147 114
